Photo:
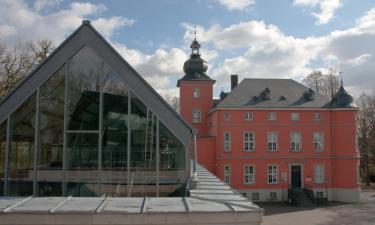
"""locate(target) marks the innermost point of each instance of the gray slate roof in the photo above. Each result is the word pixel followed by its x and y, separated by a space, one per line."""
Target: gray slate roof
pixel 284 93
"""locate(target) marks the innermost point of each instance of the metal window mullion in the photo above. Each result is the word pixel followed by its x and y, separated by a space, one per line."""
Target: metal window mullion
pixel 129 145
pixel 100 141
pixel 83 131
pixel 66 103
pixel 6 166
pixel 36 142
pixel 157 158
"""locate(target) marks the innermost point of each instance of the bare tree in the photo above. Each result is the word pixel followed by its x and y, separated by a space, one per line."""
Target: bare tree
pixel 366 133
pixel 315 81
pixel 17 60
pixel 173 101
pixel 325 84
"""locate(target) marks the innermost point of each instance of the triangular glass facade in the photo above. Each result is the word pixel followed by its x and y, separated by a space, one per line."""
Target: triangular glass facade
pixel 84 132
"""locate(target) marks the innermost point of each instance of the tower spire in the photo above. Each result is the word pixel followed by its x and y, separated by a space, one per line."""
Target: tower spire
pixel 195 33
pixel 341 73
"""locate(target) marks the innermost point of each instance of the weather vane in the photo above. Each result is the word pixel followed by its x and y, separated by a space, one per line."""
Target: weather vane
pixel 195 33
pixel 341 73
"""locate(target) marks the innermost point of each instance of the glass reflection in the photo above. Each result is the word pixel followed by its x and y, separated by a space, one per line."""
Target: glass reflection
pixel 51 132
pixel 143 149
pixel 172 163
pixel 3 139
pixel 21 154
pixel 82 164
pixel 115 131
pixel 84 85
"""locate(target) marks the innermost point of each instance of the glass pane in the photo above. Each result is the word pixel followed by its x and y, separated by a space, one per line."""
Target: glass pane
pixel 115 131
pixel 21 155
pixel 84 84
pixel 172 163
pixel 3 139
pixel 82 164
pixel 143 149
pixel 51 133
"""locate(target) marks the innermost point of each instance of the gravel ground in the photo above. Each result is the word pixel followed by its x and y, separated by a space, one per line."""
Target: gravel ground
pixel 362 213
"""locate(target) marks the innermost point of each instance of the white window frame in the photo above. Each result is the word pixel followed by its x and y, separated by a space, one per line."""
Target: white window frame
pixel 272 141
pixel 317 116
pixel 197 116
pixel 294 116
pixel 295 141
pixel 227 141
pixel 249 141
pixel 249 174
pixel 196 93
pixel 272 174
pixel 226 116
pixel 319 174
pixel 227 174
pixel 318 141
pixel 248 116
pixel 272 116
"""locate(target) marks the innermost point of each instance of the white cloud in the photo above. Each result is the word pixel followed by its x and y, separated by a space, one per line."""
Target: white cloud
pixel 236 4
pixel 44 4
pixel 19 20
pixel 327 8
pixel 267 52
pixel 160 69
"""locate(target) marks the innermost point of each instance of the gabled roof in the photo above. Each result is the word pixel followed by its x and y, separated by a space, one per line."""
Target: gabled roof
pixel 283 93
pixel 87 35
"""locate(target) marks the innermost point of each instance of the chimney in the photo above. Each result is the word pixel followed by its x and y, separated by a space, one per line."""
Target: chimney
pixel 233 81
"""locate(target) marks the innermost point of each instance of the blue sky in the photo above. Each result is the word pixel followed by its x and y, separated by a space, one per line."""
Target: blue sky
pixel 252 38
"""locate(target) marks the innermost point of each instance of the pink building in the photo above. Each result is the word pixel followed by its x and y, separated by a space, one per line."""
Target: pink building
pixel 268 136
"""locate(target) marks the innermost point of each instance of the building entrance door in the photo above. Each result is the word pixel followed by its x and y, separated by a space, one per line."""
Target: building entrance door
pixel 296 176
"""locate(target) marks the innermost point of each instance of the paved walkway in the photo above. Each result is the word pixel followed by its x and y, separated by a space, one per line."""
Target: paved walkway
pixel 336 214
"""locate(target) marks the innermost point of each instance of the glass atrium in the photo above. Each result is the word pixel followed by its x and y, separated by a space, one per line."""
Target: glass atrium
pixel 84 132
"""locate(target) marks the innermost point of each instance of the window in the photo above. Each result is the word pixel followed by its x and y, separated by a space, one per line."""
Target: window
pixel 227 171
pixel 226 116
pixel 249 174
pixel 294 116
pixel 318 141
pixel 255 196
pixel 196 116
pixel 318 116
pixel 319 194
pixel 227 141
pixel 295 141
pixel 272 140
pixel 273 196
pixel 271 115
pixel 272 174
pixel 249 141
pixel 196 93
pixel 248 116
pixel 319 174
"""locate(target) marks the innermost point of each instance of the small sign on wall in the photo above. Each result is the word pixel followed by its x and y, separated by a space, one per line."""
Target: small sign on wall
pixel 284 177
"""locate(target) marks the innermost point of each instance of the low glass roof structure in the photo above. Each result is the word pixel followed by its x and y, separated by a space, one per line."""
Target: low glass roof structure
pixel 212 202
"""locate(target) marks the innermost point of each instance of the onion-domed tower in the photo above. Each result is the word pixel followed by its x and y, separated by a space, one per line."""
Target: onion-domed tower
pixel 196 91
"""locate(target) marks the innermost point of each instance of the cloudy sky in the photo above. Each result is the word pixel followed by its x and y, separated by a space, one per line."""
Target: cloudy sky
pixel 251 38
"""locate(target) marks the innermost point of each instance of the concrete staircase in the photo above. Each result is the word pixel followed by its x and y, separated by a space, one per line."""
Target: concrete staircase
pixel 302 199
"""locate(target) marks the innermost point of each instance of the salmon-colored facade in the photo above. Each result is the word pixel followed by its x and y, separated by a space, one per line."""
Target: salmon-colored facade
pixel 263 155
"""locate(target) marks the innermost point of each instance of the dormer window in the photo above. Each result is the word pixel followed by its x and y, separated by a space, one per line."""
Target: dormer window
pixel 196 93
pixel 309 95
pixel 267 94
